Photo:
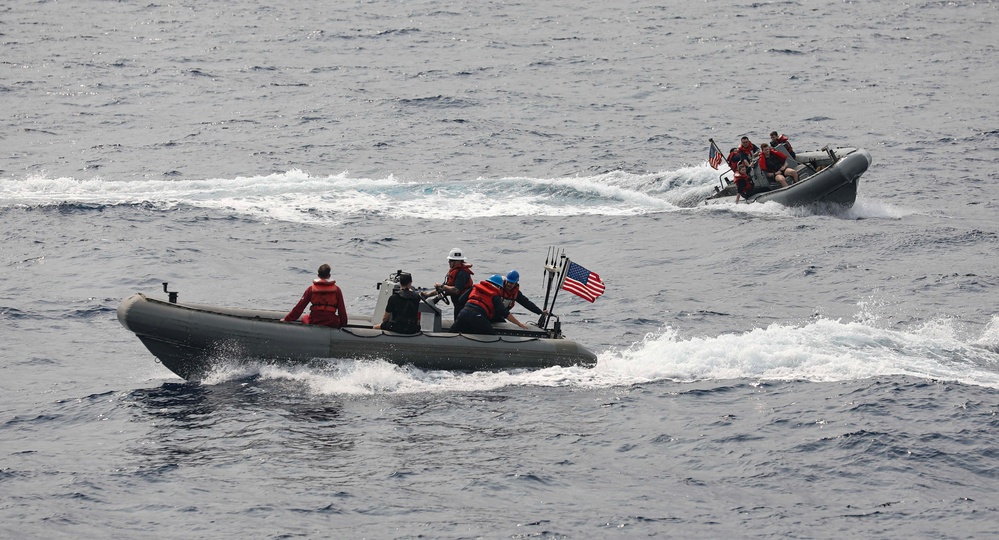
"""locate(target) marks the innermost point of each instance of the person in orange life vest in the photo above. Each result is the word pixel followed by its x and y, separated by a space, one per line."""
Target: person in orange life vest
pixel 744 184
pixel 774 165
pixel 402 313
pixel 327 302
pixel 512 295
pixel 735 157
pixel 776 139
pixel 485 303
pixel 744 152
pixel 457 281
pixel 747 147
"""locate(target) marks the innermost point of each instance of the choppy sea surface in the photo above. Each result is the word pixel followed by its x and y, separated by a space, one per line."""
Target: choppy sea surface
pixel 763 372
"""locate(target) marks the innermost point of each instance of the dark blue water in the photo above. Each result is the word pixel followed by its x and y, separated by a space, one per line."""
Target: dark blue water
pixel 763 371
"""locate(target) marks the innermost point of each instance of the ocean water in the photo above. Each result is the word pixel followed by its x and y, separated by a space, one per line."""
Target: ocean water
pixel 763 372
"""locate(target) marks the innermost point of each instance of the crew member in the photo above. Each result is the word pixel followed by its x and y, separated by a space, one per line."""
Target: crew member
pixel 327 302
pixel 744 152
pixel 402 312
pixel 776 139
pixel 744 184
pixel 774 164
pixel 512 295
pixel 747 147
pixel 484 304
pixel 457 281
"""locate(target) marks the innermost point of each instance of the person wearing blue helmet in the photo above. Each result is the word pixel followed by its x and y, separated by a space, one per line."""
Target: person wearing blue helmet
pixel 485 303
pixel 512 295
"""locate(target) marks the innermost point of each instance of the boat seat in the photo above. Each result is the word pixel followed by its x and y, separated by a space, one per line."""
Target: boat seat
pixel 362 332
pixel 804 170
pixel 401 334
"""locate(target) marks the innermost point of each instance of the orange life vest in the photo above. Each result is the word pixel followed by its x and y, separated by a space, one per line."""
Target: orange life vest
pixel 510 295
pixel 787 145
pixel 482 295
pixel 324 295
pixel 453 273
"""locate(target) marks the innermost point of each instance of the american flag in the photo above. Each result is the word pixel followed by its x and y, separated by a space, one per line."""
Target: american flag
pixel 583 283
pixel 714 157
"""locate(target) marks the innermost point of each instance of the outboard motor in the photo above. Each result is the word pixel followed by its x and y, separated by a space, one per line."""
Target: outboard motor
pixel 385 290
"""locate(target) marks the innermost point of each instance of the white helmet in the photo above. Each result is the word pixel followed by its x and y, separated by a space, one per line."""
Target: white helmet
pixel 455 255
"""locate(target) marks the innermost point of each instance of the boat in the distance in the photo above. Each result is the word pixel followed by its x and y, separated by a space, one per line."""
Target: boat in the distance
pixel 829 175
pixel 192 340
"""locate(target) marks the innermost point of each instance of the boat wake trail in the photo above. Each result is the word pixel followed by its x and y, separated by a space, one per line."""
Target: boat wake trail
pixel 821 351
pixel 297 196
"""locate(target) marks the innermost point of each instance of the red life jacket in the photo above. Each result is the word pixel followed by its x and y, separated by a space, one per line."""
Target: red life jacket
pixel 783 140
pixel 482 295
pixel 453 273
pixel 743 183
pixel 324 295
pixel 510 295
pixel 774 163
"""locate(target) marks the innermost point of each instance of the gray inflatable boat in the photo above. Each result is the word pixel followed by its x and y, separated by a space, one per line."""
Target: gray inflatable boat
pixel 192 340
pixel 824 176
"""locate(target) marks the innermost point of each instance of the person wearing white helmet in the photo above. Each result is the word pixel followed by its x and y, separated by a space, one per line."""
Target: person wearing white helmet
pixel 457 281
pixel 485 303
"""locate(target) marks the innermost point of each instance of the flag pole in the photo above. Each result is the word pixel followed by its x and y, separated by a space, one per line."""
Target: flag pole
pixel 550 272
pixel 724 159
pixel 561 278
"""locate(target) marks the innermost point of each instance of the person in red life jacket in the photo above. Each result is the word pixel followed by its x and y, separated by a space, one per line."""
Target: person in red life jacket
pixel 327 302
pixel 510 291
pixel 402 313
pixel 774 165
pixel 744 184
pixel 776 139
pixel 457 281
pixel 747 147
pixel 484 304
pixel 512 295
pixel 744 152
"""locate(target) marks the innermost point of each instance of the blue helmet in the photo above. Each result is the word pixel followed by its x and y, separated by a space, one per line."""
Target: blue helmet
pixel 513 276
pixel 495 279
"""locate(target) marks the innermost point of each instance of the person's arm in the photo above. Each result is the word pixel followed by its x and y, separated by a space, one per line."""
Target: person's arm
pixel 390 308
pixel 296 311
pixel 502 312
pixel 511 318
pixel 341 307
pixel 526 302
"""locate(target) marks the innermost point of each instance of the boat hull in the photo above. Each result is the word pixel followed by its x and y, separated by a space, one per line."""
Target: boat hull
pixel 193 340
pixel 835 184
